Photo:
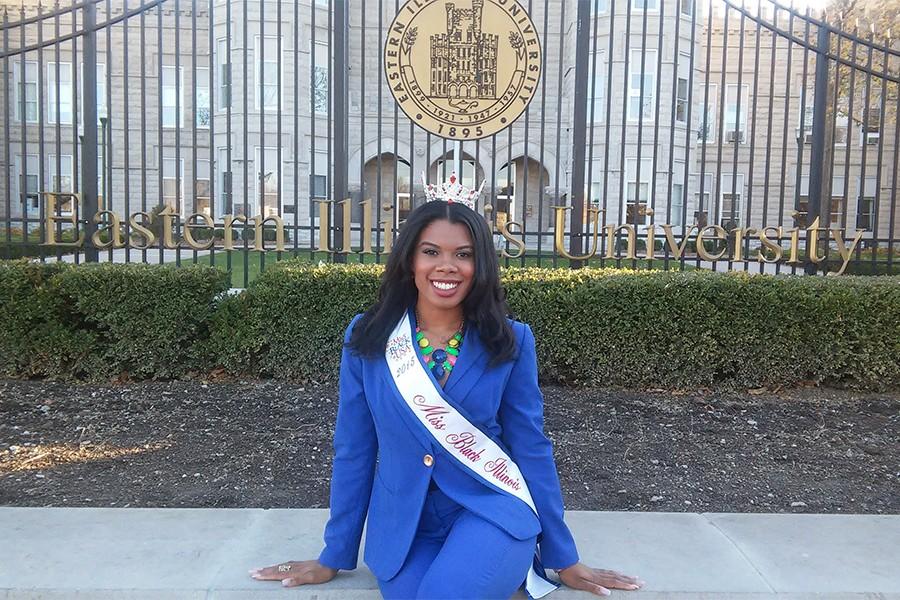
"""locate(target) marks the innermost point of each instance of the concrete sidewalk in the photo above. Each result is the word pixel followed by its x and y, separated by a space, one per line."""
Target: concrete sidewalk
pixel 187 554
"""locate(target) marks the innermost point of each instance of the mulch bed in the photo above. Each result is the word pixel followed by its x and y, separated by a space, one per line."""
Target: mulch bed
pixel 268 444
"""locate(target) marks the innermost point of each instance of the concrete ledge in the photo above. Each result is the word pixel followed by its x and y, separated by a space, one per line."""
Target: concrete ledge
pixel 187 554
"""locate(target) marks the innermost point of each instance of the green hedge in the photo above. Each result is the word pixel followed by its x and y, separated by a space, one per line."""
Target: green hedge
pixel 593 326
pixel 106 320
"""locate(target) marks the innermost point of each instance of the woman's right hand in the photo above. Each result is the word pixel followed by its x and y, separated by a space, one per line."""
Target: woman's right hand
pixel 294 573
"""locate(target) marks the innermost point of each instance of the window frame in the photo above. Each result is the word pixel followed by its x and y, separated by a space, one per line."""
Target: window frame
pixel 742 118
pixel 649 96
pixel 223 88
pixel 179 98
pixel 63 87
pixel 20 83
pixel 257 72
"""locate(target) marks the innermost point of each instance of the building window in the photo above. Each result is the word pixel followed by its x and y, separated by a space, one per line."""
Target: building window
pixel 599 7
pixel 319 169
pixel 681 100
pixel 26 91
pixel 266 72
pixel 224 183
pixel 61 182
pixel 172 97
pixel 706 132
pixel 638 190
pixel 648 5
pixel 686 7
pixel 63 102
pixel 597 87
pixel 841 122
pixel 27 177
pixel 267 180
pixel 702 197
pixel 676 202
pixel 505 206
pixel 641 105
pixel 101 92
pixel 871 130
pixel 804 130
pixel 731 193
pixel 202 202
pixel 801 215
pixel 865 204
pixel 736 120
pixel 320 77
pixel 223 62
pixel 173 183
pixel 201 87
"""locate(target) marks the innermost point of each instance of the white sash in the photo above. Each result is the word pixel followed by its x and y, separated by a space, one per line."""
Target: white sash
pixel 475 451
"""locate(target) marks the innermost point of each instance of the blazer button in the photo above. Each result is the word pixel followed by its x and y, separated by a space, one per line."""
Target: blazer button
pixel 428 460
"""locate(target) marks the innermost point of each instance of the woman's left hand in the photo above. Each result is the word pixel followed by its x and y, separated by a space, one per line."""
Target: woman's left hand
pixel 597 581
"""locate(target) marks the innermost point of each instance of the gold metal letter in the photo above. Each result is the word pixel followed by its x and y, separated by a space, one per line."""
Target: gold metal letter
pixel 345 236
pixel 845 252
pixel 323 225
pixel 141 230
pixel 50 219
pixel 779 251
pixel 366 233
pixel 677 250
pixel 167 215
pixel 560 233
pixel 505 232
pixel 701 249
pixel 229 220
pixel 115 237
pixel 258 241
pixel 189 237
pixel 611 231
pixel 813 230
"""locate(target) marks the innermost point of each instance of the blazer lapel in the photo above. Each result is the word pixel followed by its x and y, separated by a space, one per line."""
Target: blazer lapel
pixel 469 367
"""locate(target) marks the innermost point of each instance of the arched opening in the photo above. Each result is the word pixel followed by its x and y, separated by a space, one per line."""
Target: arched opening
pixel 388 180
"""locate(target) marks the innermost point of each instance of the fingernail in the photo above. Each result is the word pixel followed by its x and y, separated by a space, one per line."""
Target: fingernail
pixel 285 582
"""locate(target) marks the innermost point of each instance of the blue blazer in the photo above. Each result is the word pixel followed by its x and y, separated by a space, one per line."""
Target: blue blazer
pixel 379 448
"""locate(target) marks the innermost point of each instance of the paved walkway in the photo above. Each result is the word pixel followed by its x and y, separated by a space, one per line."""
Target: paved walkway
pixel 204 554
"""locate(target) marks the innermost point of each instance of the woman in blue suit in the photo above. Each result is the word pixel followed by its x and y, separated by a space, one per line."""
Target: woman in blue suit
pixel 439 441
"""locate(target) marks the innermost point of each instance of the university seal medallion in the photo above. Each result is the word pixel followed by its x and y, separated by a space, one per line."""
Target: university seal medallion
pixel 462 69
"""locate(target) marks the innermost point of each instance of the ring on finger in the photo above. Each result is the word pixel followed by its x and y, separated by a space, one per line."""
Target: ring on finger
pixel 284 568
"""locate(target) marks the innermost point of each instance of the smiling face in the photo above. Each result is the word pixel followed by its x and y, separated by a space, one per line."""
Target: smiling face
pixel 443 264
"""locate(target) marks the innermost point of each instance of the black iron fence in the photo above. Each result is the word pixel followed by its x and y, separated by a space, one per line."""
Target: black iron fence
pixel 664 133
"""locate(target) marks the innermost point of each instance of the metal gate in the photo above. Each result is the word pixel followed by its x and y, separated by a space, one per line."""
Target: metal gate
pixel 655 121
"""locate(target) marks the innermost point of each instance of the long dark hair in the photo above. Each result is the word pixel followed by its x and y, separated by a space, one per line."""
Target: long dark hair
pixel 484 306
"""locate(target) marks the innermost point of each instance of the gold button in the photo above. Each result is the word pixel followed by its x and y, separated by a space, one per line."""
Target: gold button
pixel 428 460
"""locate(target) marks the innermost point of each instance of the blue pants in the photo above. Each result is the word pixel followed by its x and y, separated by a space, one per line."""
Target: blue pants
pixel 458 555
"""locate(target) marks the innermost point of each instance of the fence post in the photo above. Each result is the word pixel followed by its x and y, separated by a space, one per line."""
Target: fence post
pixel 579 129
pixel 341 147
pixel 817 156
pixel 89 140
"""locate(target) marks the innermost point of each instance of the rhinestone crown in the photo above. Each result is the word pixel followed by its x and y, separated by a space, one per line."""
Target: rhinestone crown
pixel 451 191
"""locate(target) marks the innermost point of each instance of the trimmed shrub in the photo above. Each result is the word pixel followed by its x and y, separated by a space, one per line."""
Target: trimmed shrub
pixel 37 333
pixel 290 322
pixel 103 320
pixel 594 327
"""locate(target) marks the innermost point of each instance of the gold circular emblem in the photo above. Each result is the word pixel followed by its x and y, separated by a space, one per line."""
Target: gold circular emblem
pixel 462 69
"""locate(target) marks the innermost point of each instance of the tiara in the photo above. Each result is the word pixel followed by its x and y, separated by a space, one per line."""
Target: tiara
pixel 451 191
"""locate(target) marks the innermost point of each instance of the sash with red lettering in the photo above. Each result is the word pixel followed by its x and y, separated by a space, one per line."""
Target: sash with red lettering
pixel 480 455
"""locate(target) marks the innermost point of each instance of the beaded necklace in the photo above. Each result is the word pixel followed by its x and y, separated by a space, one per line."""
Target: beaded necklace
pixel 439 360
